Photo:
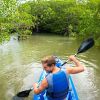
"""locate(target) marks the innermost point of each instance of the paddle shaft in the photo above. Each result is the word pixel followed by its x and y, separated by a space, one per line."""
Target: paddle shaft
pixel 37 83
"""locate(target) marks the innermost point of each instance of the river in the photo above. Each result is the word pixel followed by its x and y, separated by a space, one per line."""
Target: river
pixel 20 65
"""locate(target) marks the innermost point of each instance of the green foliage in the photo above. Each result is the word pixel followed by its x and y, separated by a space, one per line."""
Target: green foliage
pixel 15 18
pixel 63 17
pixel 4 37
pixel 25 33
pixel 7 8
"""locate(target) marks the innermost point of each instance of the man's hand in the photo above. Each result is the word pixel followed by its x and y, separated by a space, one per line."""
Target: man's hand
pixel 72 58
pixel 41 87
pixel 35 85
pixel 77 68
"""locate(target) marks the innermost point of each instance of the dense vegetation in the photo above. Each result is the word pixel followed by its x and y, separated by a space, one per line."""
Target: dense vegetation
pixel 79 18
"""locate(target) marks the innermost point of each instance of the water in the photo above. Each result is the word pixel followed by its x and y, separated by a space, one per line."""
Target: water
pixel 20 65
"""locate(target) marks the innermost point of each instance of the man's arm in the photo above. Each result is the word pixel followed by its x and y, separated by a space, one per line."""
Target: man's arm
pixel 43 86
pixel 78 66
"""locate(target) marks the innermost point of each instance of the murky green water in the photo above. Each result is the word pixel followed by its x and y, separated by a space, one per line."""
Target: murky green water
pixel 20 65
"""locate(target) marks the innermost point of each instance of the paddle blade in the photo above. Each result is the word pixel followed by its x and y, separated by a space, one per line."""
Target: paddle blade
pixel 24 93
pixel 87 44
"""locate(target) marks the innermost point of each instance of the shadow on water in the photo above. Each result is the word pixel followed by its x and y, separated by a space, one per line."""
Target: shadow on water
pixel 17 98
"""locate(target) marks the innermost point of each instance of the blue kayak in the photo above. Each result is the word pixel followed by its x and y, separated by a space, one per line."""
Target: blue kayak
pixel 72 93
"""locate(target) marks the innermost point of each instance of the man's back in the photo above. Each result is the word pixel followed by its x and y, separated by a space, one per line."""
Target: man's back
pixel 58 85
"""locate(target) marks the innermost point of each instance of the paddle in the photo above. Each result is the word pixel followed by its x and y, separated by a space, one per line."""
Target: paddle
pixel 25 93
pixel 85 45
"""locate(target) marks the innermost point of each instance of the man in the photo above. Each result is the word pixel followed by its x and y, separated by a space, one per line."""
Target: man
pixel 56 83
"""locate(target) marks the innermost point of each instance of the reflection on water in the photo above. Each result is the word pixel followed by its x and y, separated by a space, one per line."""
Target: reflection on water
pixel 17 98
pixel 20 65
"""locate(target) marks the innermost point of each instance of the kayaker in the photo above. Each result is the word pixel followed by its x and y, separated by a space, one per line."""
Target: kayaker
pixel 56 82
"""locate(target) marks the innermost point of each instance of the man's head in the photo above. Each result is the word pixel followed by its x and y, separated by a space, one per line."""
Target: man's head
pixel 48 63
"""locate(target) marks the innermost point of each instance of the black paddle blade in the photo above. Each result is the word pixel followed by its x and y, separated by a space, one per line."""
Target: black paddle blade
pixel 87 44
pixel 24 93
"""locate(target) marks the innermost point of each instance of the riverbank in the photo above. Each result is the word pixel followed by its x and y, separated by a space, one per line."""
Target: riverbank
pixel 25 37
